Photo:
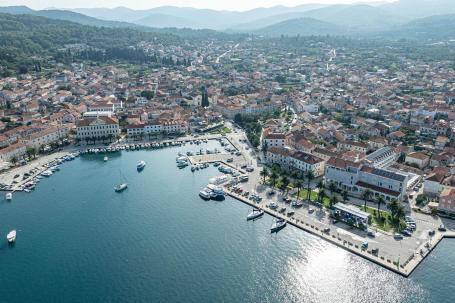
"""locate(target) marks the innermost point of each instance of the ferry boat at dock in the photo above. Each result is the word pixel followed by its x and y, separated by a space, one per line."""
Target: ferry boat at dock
pixel 256 213
pixel 278 225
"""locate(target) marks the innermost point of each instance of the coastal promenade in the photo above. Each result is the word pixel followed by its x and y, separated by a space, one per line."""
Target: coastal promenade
pixel 346 241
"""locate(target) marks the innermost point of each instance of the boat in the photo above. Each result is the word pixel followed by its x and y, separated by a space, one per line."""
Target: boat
pixel 256 213
pixel 47 173
pixel 11 236
pixel 140 166
pixel 120 187
pixel 205 194
pixel 9 196
pixel 182 164
pixel 105 158
pixel 217 193
pixel 278 225
pixel 193 168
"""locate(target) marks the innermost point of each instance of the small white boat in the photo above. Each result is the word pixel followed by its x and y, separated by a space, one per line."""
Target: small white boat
pixel 105 158
pixel 120 187
pixel 256 213
pixel 140 165
pixel 47 173
pixel 205 194
pixel 11 236
pixel 9 196
pixel 278 225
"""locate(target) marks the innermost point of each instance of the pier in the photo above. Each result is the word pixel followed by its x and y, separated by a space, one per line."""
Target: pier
pixel 404 269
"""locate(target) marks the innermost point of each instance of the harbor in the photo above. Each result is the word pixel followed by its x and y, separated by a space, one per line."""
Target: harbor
pixel 133 230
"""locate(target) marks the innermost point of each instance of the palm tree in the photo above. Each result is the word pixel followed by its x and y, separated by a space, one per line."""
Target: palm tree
pixel 332 187
pixel 344 194
pixel 284 183
pixel 333 200
pixel 309 174
pixel 321 196
pixel 273 177
pixel 380 200
pixel 365 196
pixel 320 185
pixel 294 174
pixel 299 185
pixel 264 174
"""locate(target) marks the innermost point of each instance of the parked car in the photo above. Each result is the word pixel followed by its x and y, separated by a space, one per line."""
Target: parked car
pixel 442 227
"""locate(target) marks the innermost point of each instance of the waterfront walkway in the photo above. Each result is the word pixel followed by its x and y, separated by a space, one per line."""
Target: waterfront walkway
pixel 345 240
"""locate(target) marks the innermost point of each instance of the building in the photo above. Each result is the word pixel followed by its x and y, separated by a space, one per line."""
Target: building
pixel 383 157
pixel 419 159
pixel 353 146
pixel 357 177
pixel 17 151
pixel 447 200
pixel 351 215
pixel 46 136
pixel 274 139
pixel 297 160
pixel 97 127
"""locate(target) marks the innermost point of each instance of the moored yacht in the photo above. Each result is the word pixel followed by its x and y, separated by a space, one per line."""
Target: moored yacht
pixel 9 196
pixel 120 187
pixel 256 213
pixel 217 192
pixel 278 225
pixel 105 158
pixel 11 236
pixel 205 194
pixel 140 165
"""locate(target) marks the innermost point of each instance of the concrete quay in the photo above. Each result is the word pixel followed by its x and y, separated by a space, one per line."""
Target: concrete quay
pixel 316 228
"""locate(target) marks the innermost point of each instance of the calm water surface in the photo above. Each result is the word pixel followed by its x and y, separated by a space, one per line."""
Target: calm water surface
pixel 79 241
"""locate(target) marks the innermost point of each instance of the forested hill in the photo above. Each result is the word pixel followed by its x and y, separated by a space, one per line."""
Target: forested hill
pixel 27 38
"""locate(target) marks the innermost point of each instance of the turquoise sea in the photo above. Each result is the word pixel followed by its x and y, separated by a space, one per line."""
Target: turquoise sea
pixel 79 241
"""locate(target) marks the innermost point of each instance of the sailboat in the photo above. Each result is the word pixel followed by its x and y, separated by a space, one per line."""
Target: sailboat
pixel 122 186
pixel 278 225
pixel 256 213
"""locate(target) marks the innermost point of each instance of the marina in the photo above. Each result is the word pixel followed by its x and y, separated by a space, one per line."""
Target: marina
pixel 134 227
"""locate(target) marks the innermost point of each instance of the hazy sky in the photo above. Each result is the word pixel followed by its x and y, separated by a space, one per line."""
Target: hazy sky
pixel 143 4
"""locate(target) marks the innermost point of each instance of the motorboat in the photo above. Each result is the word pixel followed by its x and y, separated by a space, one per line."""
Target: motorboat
pixel 193 168
pixel 217 193
pixel 11 236
pixel 120 187
pixel 256 213
pixel 47 173
pixel 205 194
pixel 182 164
pixel 140 166
pixel 9 196
pixel 105 158
pixel 278 225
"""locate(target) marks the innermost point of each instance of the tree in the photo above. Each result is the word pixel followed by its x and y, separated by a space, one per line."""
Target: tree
pixel 299 185
pixel 344 194
pixel 379 200
pixel 321 196
pixel 13 160
pixel 148 94
pixel 204 98
pixel 273 177
pixel 366 196
pixel 332 187
pixel 309 174
pixel 333 200
pixel 320 185
pixel 264 173
pixel 31 152
pixel 284 183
